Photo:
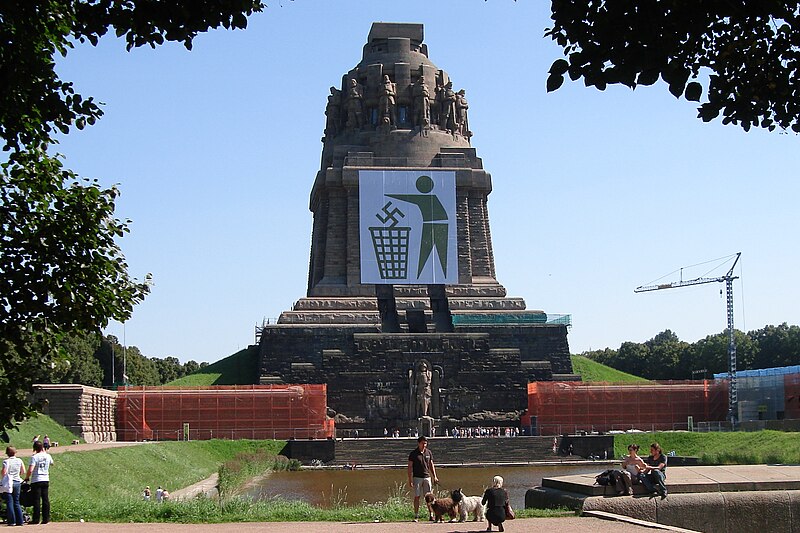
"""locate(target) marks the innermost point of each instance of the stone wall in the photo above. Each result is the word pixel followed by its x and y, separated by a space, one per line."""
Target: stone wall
pixel 88 412
pixel 368 372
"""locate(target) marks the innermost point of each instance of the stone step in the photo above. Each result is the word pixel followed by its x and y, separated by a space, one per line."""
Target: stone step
pixel 362 304
pixel 394 452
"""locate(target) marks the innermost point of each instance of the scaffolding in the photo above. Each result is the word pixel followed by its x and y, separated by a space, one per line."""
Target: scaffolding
pixel 556 408
pixel 768 393
pixel 223 412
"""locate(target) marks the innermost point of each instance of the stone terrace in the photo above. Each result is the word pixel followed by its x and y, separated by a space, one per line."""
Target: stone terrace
pixel 446 451
pixel 706 498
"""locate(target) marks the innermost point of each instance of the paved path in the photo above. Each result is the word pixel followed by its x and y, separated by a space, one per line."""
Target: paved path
pixel 549 525
pixel 698 479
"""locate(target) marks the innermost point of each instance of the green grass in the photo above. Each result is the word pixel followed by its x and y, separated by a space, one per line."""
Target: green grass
pixel 757 447
pixel 22 437
pixel 593 371
pixel 106 485
pixel 240 368
pixel 90 484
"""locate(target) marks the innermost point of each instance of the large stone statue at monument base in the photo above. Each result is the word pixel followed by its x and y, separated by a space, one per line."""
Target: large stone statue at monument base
pixel 404 318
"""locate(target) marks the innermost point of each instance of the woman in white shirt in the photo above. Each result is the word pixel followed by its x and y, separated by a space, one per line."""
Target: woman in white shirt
pixel 632 465
pixel 13 467
pixel 39 474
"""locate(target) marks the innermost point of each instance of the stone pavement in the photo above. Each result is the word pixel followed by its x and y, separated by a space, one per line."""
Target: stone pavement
pixel 549 525
pixel 697 479
pixel 727 499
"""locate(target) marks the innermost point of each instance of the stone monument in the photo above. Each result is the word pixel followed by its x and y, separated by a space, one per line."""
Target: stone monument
pixel 403 317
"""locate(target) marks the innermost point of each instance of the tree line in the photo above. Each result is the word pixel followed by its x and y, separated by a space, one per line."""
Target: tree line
pixel 98 361
pixel 666 357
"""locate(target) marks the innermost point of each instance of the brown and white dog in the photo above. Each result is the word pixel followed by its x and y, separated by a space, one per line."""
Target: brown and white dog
pixel 440 506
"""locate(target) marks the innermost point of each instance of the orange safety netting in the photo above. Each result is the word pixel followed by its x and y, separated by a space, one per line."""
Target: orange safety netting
pixel 571 407
pixel 791 395
pixel 226 412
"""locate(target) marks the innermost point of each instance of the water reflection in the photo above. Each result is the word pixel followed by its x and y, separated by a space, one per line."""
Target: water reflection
pixel 325 487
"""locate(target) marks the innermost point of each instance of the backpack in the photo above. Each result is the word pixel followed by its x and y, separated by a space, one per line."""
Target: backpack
pixel 607 477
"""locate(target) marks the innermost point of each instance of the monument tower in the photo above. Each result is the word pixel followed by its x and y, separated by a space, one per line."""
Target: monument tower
pixel 404 318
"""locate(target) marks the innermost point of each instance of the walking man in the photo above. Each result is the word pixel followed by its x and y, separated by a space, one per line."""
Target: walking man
pixel 421 474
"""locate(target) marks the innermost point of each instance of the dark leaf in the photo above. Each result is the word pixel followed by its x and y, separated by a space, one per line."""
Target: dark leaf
pixel 554 81
pixel 693 91
pixel 559 66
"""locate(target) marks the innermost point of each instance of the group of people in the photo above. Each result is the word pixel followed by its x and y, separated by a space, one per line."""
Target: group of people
pixel 37 474
pixel 478 432
pixel 650 471
pixel 162 495
pixel 422 477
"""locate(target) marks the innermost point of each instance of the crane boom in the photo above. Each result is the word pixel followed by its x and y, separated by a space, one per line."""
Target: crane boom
pixel 733 398
pixel 696 281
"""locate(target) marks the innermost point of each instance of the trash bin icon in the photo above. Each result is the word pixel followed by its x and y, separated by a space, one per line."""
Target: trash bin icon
pixel 391 251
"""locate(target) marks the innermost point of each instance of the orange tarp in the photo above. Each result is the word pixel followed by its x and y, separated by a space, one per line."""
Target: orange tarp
pixel 571 407
pixel 226 412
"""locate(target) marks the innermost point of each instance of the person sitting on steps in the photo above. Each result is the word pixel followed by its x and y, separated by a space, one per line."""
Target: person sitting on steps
pixel 654 475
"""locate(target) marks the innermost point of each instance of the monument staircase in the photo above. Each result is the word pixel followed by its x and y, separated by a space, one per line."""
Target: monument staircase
pixel 446 451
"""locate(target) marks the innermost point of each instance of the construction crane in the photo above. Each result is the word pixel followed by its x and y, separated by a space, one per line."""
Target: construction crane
pixel 733 400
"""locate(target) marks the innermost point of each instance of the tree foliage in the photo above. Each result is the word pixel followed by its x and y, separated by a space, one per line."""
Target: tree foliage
pixel 62 272
pixel 665 357
pixel 746 53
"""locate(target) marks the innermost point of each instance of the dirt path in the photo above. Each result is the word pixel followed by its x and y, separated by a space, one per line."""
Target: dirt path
pixel 27 452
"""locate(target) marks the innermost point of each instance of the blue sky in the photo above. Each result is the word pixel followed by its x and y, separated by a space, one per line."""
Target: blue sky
pixel 215 151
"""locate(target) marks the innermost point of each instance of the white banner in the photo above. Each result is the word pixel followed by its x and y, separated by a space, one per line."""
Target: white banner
pixel 407 227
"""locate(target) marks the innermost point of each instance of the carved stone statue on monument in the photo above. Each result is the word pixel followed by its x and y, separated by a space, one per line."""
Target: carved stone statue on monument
pixel 422 104
pixel 447 107
pixel 332 110
pixel 387 102
pixel 461 113
pixel 354 105
pixel 422 389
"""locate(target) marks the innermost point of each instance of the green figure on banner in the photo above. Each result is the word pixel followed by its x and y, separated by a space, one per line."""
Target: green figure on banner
pixel 434 222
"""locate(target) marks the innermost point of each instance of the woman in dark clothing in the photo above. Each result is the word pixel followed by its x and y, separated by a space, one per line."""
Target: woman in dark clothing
pixel 495 500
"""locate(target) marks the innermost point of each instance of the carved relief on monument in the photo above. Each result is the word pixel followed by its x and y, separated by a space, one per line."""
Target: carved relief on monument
pixel 462 124
pixel 446 100
pixel 333 112
pixel 424 382
pixel 383 406
pixel 355 103
pixel 422 104
pixel 387 103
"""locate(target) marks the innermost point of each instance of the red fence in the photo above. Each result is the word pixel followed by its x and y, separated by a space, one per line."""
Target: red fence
pixel 225 412
pixel 571 407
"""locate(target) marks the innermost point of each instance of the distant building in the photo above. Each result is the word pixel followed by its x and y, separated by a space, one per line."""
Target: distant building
pixel 768 393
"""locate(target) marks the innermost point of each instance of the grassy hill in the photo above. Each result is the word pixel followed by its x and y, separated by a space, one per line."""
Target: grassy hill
pixel 739 447
pixel 593 371
pixel 22 438
pixel 240 368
